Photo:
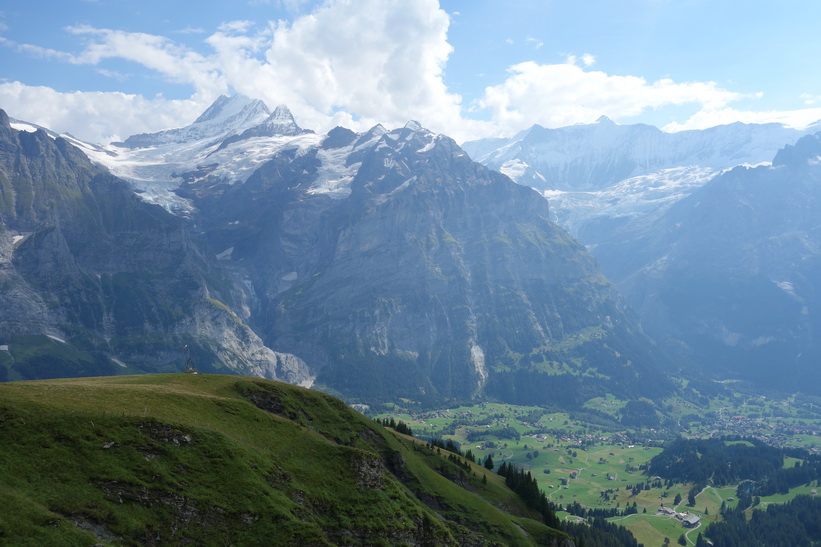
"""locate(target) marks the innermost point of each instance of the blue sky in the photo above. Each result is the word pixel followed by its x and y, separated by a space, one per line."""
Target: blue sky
pixel 106 69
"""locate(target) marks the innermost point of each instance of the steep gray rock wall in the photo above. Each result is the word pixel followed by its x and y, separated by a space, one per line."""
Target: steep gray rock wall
pixel 119 285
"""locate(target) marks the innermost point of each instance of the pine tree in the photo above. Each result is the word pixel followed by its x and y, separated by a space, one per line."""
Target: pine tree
pixel 488 462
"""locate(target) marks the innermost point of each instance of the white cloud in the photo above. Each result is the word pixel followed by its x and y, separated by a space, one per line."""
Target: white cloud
pixel 95 116
pixel 177 63
pixel 380 60
pixel 113 74
pixel 537 44
pixel 36 51
pixel 191 30
pixel 566 94
pixel 353 62
pixel 235 27
pixel 809 99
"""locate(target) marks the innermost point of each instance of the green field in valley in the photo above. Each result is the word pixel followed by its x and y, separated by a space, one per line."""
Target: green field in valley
pixel 598 463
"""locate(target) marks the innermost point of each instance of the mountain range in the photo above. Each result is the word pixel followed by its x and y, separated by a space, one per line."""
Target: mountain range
pixel 376 265
pixel 711 235
pixel 390 264
pixel 606 177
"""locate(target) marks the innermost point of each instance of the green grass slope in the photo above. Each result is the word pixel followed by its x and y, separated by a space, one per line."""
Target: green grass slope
pixel 223 460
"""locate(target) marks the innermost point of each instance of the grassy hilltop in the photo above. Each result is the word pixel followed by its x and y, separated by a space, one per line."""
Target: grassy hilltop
pixel 222 460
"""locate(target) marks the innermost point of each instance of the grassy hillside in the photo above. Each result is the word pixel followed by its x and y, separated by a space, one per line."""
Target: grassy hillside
pixel 223 460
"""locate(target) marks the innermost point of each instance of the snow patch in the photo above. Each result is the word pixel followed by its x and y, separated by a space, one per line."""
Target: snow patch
pixel 429 146
pixel 515 169
pixel 23 126
pixel 333 177
pixel 644 197
pixel 56 339
pixel 226 254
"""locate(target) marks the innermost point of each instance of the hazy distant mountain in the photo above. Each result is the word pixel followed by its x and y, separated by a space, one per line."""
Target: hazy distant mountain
pixel 732 273
pixel 599 155
pixel 604 177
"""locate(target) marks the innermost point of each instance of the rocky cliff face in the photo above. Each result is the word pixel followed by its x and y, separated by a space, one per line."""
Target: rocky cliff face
pixel 396 266
pixel 117 284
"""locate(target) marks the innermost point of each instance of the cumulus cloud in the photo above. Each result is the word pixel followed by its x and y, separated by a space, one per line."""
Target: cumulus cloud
pixel 566 94
pixel 372 59
pixel 95 116
pixel 348 62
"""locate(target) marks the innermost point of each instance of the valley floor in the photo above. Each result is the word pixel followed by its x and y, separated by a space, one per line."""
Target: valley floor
pixel 588 459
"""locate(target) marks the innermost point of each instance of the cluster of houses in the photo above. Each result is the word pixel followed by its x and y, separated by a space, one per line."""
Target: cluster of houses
pixel 688 520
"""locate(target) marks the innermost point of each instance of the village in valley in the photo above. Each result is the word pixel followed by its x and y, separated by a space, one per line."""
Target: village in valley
pixel 588 460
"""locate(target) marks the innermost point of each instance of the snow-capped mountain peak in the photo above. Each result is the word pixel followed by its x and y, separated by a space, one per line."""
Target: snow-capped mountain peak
pixel 225 144
pixel 225 117
pixel 279 123
pixel 225 109
pixel 282 113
